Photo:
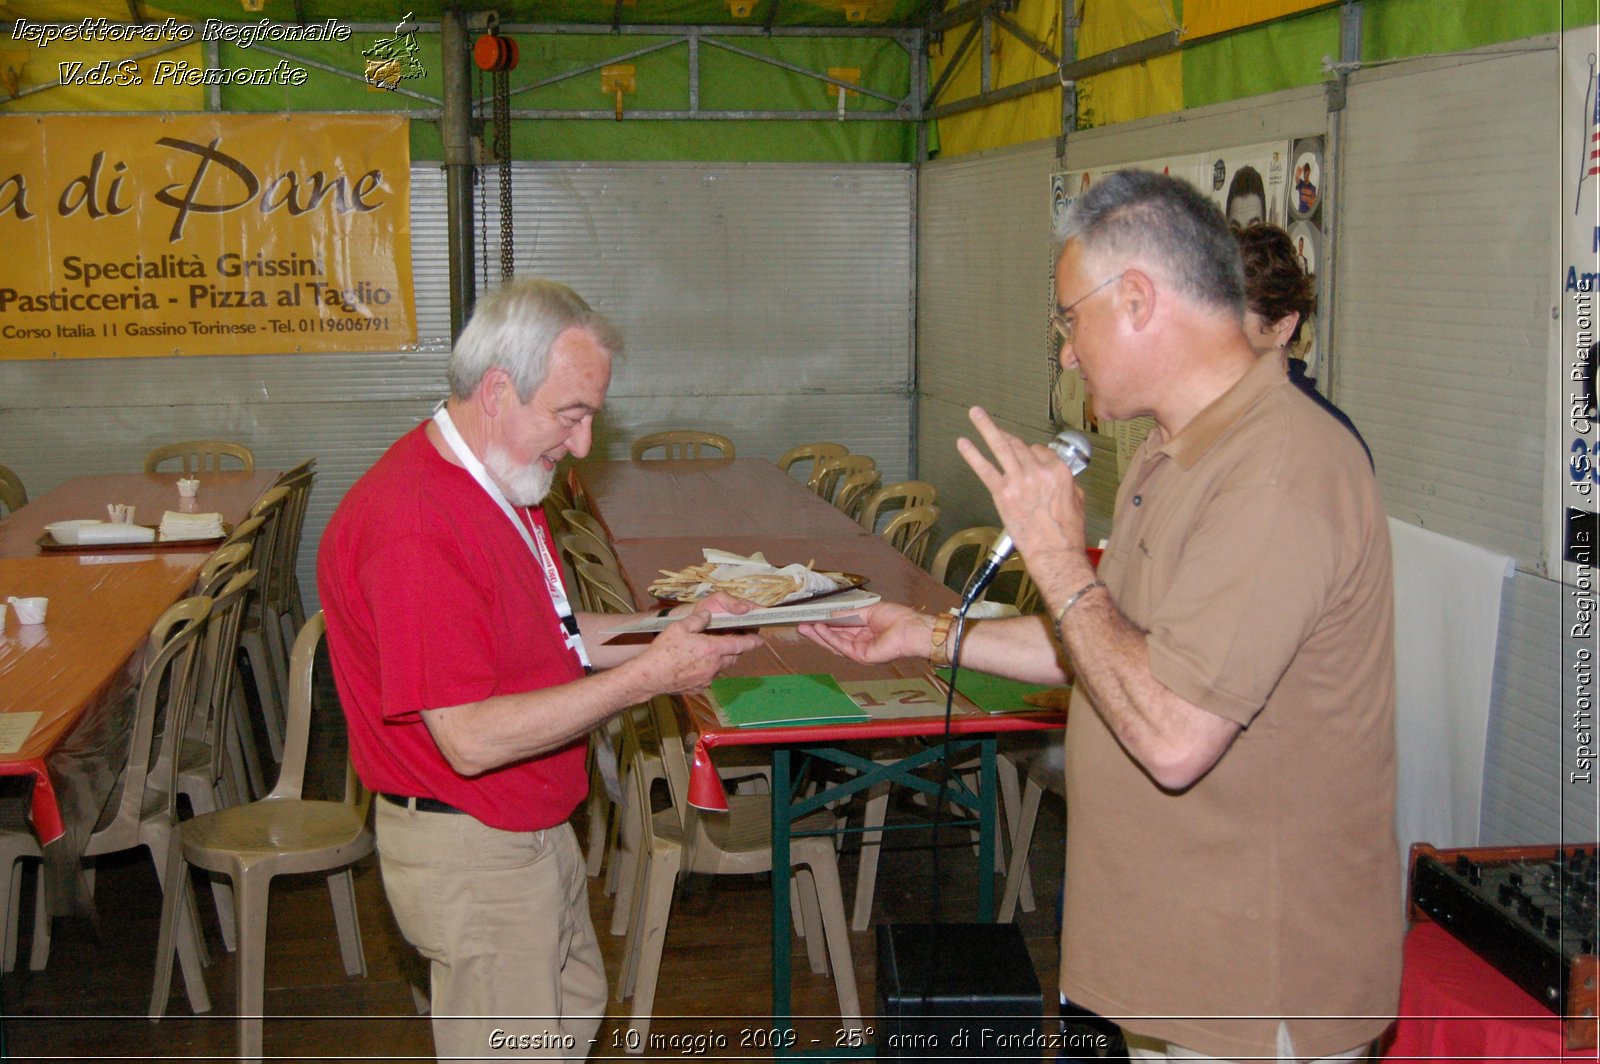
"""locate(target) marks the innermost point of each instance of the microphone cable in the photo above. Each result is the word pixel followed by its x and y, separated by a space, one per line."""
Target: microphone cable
pixel 931 950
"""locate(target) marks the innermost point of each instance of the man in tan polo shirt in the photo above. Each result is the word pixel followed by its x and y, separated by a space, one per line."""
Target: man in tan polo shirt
pixel 1232 873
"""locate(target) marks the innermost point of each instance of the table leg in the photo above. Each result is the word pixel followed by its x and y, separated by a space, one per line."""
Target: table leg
pixel 781 976
pixel 988 786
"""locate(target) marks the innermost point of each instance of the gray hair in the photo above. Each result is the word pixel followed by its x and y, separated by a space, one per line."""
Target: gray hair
pixel 514 327
pixel 1166 223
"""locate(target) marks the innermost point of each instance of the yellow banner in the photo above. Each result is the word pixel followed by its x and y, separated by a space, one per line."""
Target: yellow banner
pixel 204 235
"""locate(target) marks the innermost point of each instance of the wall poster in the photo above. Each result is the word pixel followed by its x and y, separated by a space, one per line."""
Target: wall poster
pixel 1570 522
pixel 204 234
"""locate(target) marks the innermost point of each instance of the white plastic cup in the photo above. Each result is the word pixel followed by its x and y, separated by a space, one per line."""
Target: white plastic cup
pixel 188 487
pixel 30 610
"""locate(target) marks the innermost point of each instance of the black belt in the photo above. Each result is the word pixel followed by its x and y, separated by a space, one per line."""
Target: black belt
pixel 421 805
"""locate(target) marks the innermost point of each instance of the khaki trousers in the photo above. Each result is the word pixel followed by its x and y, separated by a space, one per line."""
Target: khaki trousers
pixel 1142 1048
pixel 503 918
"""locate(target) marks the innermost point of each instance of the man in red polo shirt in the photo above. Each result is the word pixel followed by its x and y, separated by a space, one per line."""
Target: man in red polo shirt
pixel 468 686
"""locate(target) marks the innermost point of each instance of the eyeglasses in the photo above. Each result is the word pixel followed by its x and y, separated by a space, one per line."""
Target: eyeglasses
pixel 1064 325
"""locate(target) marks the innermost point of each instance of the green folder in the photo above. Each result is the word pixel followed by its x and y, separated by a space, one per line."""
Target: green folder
pixel 994 694
pixel 771 701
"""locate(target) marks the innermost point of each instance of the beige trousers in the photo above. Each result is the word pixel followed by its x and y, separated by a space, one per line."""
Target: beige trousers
pixel 1142 1048
pixel 503 918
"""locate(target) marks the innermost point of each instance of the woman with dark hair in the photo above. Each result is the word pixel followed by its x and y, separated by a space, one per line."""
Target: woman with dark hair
pixel 1279 297
pixel 1247 198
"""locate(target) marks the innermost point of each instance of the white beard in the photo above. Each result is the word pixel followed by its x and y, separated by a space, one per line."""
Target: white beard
pixel 522 485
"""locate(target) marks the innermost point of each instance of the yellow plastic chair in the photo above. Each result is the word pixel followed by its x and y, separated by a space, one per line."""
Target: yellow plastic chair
pixel 558 498
pixel 298 469
pixel 606 588
pixel 628 740
pixel 211 772
pixel 218 577
pixel 581 547
pixel 142 807
pixel 282 834
pixel 738 842
pixel 17 842
pixel 283 576
pixel 811 454
pixel 262 635
pixel 585 523
pixel 828 472
pixel 901 495
pixel 909 531
pixel 245 531
pixel 201 456
pixel 854 491
pixel 682 443
pixel 13 496
pixel 953 566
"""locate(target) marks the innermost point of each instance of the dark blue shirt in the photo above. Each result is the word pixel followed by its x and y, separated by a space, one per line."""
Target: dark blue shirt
pixel 1297 375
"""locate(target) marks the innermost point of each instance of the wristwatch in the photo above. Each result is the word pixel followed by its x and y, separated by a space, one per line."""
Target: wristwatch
pixel 939 651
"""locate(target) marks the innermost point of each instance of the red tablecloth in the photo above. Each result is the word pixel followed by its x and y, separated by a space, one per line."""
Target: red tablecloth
pixel 1454 1005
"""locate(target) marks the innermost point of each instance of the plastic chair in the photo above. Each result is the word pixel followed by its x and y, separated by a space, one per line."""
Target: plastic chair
pixel 283 577
pixel 211 772
pixel 1046 771
pixel 581 547
pixel 682 443
pixel 811 454
pixel 142 808
pixel 953 567
pixel 738 842
pixel 17 841
pixel 606 588
pixel 909 531
pixel 298 468
pixel 828 472
pixel 13 496
pixel 583 522
pixel 281 834
pixel 954 573
pixel 200 456
pixel 558 498
pixel 901 495
pixel 221 716
pixel 854 491
pixel 262 635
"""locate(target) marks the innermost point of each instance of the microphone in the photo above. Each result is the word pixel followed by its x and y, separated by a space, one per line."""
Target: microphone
pixel 1073 448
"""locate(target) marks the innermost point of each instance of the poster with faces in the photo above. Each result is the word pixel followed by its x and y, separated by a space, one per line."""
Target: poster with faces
pixel 1251 184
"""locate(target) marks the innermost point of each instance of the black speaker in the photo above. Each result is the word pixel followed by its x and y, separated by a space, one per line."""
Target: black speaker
pixel 956 990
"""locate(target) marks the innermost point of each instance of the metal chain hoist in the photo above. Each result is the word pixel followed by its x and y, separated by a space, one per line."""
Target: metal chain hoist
pixel 498 56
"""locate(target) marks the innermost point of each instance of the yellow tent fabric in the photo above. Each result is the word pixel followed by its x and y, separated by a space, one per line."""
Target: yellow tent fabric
pixel 1149 88
pixel 1026 118
pixel 31 76
pixel 1202 18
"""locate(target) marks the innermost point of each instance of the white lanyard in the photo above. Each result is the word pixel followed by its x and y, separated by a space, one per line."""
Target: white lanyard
pixel 537 547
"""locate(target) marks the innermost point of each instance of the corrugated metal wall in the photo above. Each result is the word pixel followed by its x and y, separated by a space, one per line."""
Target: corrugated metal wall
pixel 768 302
pixel 1440 349
pixel 1442 325
pixel 1442 332
pixel 771 303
